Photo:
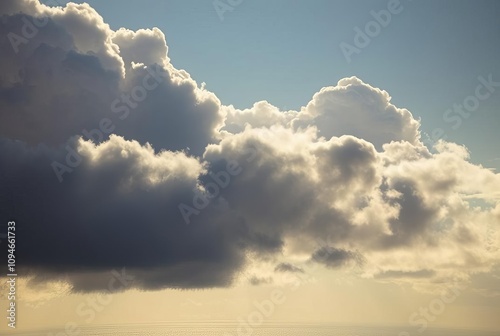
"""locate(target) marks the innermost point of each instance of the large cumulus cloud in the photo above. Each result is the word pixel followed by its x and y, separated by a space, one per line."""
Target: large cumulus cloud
pixel 72 70
pixel 185 192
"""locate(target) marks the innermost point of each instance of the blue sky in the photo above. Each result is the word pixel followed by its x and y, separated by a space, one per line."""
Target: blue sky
pixel 428 57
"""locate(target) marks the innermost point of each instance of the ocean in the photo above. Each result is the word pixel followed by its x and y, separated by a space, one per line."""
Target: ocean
pixel 237 330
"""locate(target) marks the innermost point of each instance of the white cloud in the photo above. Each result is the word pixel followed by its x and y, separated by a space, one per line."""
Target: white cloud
pixel 147 46
pixel 355 108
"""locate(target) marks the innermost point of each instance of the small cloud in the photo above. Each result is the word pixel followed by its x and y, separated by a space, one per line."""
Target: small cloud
pixel 256 281
pixel 332 257
pixel 286 267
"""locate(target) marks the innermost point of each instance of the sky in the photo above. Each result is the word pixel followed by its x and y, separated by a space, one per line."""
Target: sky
pixel 324 162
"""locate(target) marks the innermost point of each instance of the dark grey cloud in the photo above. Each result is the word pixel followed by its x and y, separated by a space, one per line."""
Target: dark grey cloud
pixel 415 218
pixel 172 116
pixel 332 257
pixel 287 267
pixel 257 281
pixel 111 216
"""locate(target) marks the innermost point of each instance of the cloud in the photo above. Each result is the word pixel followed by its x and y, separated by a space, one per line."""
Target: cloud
pixel 146 46
pixel 70 73
pixel 256 281
pixel 332 257
pixel 118 209
pixel 355 108
pixel 286 267
pixel 102 139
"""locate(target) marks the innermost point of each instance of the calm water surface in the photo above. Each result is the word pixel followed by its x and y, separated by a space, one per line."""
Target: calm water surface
pixel 237 330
